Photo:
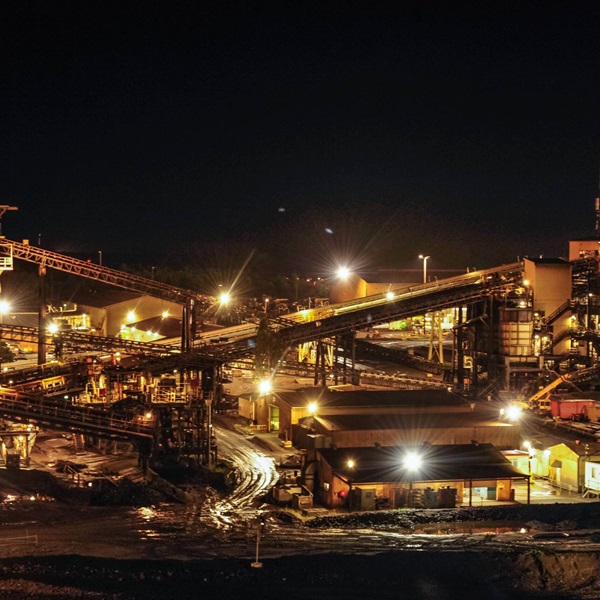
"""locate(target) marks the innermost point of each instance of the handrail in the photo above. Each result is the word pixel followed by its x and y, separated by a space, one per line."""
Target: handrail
pixel 63 414
pixel 556 313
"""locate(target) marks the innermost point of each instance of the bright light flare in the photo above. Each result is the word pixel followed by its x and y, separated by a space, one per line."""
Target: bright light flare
pixel 52 328
pixel 412 461
pixel 390 296
pixel 264 386
pixel 312 408
pixel 4 307
pixel 513 413
pixel 224 298
pixel 343 273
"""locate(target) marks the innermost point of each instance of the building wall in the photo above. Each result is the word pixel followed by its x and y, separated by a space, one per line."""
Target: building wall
pixel 347 289
pixel 144 308
pixel 583 249
pixel 552 287
pixel 333 491
pixel 288 417
pixel 592 476
pixel 551 284
pixel 515 331
pixel 255 408
pixel 566 476
pixel 571 475
pixel 502 437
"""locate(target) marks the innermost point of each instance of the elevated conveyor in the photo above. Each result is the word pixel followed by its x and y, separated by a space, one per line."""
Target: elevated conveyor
pixel 87 342
pixel 361 313
pixel 82 268
pixel 63 416
pixel 396 355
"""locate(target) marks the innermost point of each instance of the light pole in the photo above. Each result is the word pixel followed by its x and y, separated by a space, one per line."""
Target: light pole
pixel 424 259
pixel 257 564
pixel 412 462
pixel 4 309
pixel 350 464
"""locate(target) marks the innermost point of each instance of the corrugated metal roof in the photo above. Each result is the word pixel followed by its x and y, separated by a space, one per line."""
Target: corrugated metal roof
pixel 584 448
pixel 370 398
pixel 402 422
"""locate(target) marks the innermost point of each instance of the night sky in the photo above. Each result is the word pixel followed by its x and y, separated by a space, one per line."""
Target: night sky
pixel 355 132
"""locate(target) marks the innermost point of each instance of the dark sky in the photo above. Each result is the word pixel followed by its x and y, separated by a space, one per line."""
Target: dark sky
pixel 466 131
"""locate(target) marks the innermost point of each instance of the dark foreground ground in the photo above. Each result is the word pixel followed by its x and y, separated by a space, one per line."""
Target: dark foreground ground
pixel 388 575
pixel 477 572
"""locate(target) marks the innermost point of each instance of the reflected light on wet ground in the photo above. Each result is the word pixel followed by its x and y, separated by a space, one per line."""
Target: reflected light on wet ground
pixel 147 513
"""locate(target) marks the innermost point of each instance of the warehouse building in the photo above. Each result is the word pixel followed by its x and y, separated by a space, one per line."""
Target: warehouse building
pixel 424 476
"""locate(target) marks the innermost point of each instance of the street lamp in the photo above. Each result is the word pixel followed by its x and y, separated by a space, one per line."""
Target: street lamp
pixel 224 298
pixel 4 309
pixel 350 464
pixel 424 259
pixel 532 454
pixel 256 564
pixel 412 462
pixel 264 387
pixel 343 273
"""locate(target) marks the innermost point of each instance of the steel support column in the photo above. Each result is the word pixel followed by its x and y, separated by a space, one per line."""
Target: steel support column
pixel 42 349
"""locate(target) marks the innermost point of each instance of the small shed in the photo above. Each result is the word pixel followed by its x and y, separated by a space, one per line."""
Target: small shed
pixel 567 462
pixel 371 478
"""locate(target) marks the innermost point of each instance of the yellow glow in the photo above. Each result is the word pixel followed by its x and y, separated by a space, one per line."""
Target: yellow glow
pixel 513 413
pixel 165 314
pixel 343 272
pixel 390 296
pixel 412 461
pixel 131 315
pixel 264 386
pixel 52 328
pixel 224 298
pixel 4 307
pixel 148 415
pixel 350 464
pixel 526 282
pixel 312 408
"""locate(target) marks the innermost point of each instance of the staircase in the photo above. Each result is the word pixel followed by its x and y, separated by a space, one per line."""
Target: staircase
pixel 548 320
pixel 79 443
